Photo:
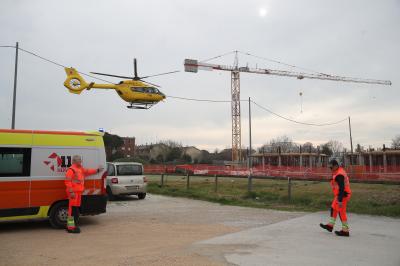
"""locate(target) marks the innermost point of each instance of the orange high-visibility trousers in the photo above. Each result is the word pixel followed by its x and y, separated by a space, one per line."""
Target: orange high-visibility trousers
pixel 74 202
pixel 341 211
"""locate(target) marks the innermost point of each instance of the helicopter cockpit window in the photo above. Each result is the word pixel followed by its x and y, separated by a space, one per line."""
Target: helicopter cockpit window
pixel 145 90
pixel 138 89
pixel 153 90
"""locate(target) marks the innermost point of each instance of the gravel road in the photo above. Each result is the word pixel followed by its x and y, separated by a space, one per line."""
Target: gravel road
pixel 156 231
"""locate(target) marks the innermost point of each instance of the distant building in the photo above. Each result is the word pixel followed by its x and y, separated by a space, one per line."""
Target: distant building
pixel 159 152
pixel 292 159
pixel 383 160
pixel 194 153
pixel 152 151
pixel 128 148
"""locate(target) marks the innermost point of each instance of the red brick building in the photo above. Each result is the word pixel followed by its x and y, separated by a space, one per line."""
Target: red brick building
pixel 128 148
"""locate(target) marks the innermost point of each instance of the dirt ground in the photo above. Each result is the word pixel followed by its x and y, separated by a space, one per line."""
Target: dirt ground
pixel 156 231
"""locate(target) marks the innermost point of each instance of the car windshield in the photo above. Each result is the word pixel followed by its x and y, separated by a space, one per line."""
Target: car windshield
pixel 129 169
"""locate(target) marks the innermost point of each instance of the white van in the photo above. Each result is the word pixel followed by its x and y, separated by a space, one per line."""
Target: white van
pixel 126 178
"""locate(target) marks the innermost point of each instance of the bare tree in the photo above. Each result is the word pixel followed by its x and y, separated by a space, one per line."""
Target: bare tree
pixel 326 149
pixel 335 146
pixel 396 142
pixel 284 142
pixel 171 143
pixel 308 147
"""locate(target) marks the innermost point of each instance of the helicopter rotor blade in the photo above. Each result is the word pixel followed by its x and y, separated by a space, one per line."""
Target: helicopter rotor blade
pixel 111 75
pixel 135 68
pixel 155 85
pixel 166 73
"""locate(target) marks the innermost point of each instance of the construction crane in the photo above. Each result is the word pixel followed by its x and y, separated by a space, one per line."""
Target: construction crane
pixel 192 65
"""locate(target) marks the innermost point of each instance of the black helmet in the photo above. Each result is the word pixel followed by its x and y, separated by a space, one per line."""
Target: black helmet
pixel 333 162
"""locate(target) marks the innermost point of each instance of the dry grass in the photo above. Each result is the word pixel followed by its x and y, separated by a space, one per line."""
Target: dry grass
pixel 374 199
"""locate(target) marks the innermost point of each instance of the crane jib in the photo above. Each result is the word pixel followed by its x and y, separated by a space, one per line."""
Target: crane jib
pixel 193 66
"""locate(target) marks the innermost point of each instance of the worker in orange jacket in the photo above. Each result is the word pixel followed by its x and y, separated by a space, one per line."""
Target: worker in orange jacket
pixel 75 183
pixel 341 190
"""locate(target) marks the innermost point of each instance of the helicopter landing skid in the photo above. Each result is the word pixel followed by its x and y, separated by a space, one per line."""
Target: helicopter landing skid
pixel 143 105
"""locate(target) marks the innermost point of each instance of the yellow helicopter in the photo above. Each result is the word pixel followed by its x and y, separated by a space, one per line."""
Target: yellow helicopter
pixel 138 93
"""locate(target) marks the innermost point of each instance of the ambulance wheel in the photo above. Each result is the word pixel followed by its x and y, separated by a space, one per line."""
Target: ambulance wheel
pixel 58 215
pixel 110 195
pixel 141 195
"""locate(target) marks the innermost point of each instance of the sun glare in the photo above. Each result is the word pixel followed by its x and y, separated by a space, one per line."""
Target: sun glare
pixel 262 12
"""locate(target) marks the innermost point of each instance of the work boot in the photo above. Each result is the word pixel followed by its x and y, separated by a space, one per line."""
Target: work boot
pixel 327 227
pixel 342 233
pixel 76 230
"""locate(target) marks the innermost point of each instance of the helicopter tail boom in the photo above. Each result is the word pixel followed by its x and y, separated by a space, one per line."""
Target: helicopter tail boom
pixel 75 83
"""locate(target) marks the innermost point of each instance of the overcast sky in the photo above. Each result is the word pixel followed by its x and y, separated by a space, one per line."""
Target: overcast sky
pixel 349 38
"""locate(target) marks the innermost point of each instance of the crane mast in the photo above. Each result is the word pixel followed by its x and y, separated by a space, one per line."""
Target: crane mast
pixel 235 110
pixel 194 66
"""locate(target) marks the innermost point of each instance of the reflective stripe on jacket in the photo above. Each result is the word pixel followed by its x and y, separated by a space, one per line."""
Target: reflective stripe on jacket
pixel 75 178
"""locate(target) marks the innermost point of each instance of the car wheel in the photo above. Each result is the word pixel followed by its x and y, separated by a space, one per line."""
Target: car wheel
pixel 58 215
pixel 110 195
pixel 141 195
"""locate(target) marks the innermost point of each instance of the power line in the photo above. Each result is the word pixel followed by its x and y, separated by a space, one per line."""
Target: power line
pixel 55 63
pixel 43 58
pixel 199 100
pixel 298 122
pixel 261 107
pixel 63 66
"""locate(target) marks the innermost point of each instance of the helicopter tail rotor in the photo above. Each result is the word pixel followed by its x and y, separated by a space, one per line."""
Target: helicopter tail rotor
pixel 75 83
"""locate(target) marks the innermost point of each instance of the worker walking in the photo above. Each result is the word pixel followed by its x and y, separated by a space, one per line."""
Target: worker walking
pixel 75 183
pixel 341 190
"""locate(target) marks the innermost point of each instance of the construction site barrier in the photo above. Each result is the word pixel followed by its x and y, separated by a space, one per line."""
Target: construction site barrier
pixel 355 172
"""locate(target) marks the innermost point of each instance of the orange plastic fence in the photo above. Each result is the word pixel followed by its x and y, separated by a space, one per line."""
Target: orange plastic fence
pixel 358 172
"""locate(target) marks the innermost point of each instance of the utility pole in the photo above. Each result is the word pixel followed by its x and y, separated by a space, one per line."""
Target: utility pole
pixel 15 87
pixel 250 183
pixel 351 143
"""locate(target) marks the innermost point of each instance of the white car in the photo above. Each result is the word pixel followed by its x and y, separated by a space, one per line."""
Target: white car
pixel 126 178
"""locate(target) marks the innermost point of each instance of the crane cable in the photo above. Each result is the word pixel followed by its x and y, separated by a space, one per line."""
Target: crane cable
pixel 215 57
pixel 183 98
pixel 266 59
pixel 282 63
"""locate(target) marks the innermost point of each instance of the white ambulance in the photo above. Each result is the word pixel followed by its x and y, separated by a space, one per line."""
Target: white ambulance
pixel 32 174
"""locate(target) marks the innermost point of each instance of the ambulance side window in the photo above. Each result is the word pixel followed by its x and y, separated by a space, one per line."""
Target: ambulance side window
pixel 110 170
pixel 15 162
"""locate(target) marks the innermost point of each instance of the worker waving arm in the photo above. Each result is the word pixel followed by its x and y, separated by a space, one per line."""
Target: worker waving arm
pixel 91 171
